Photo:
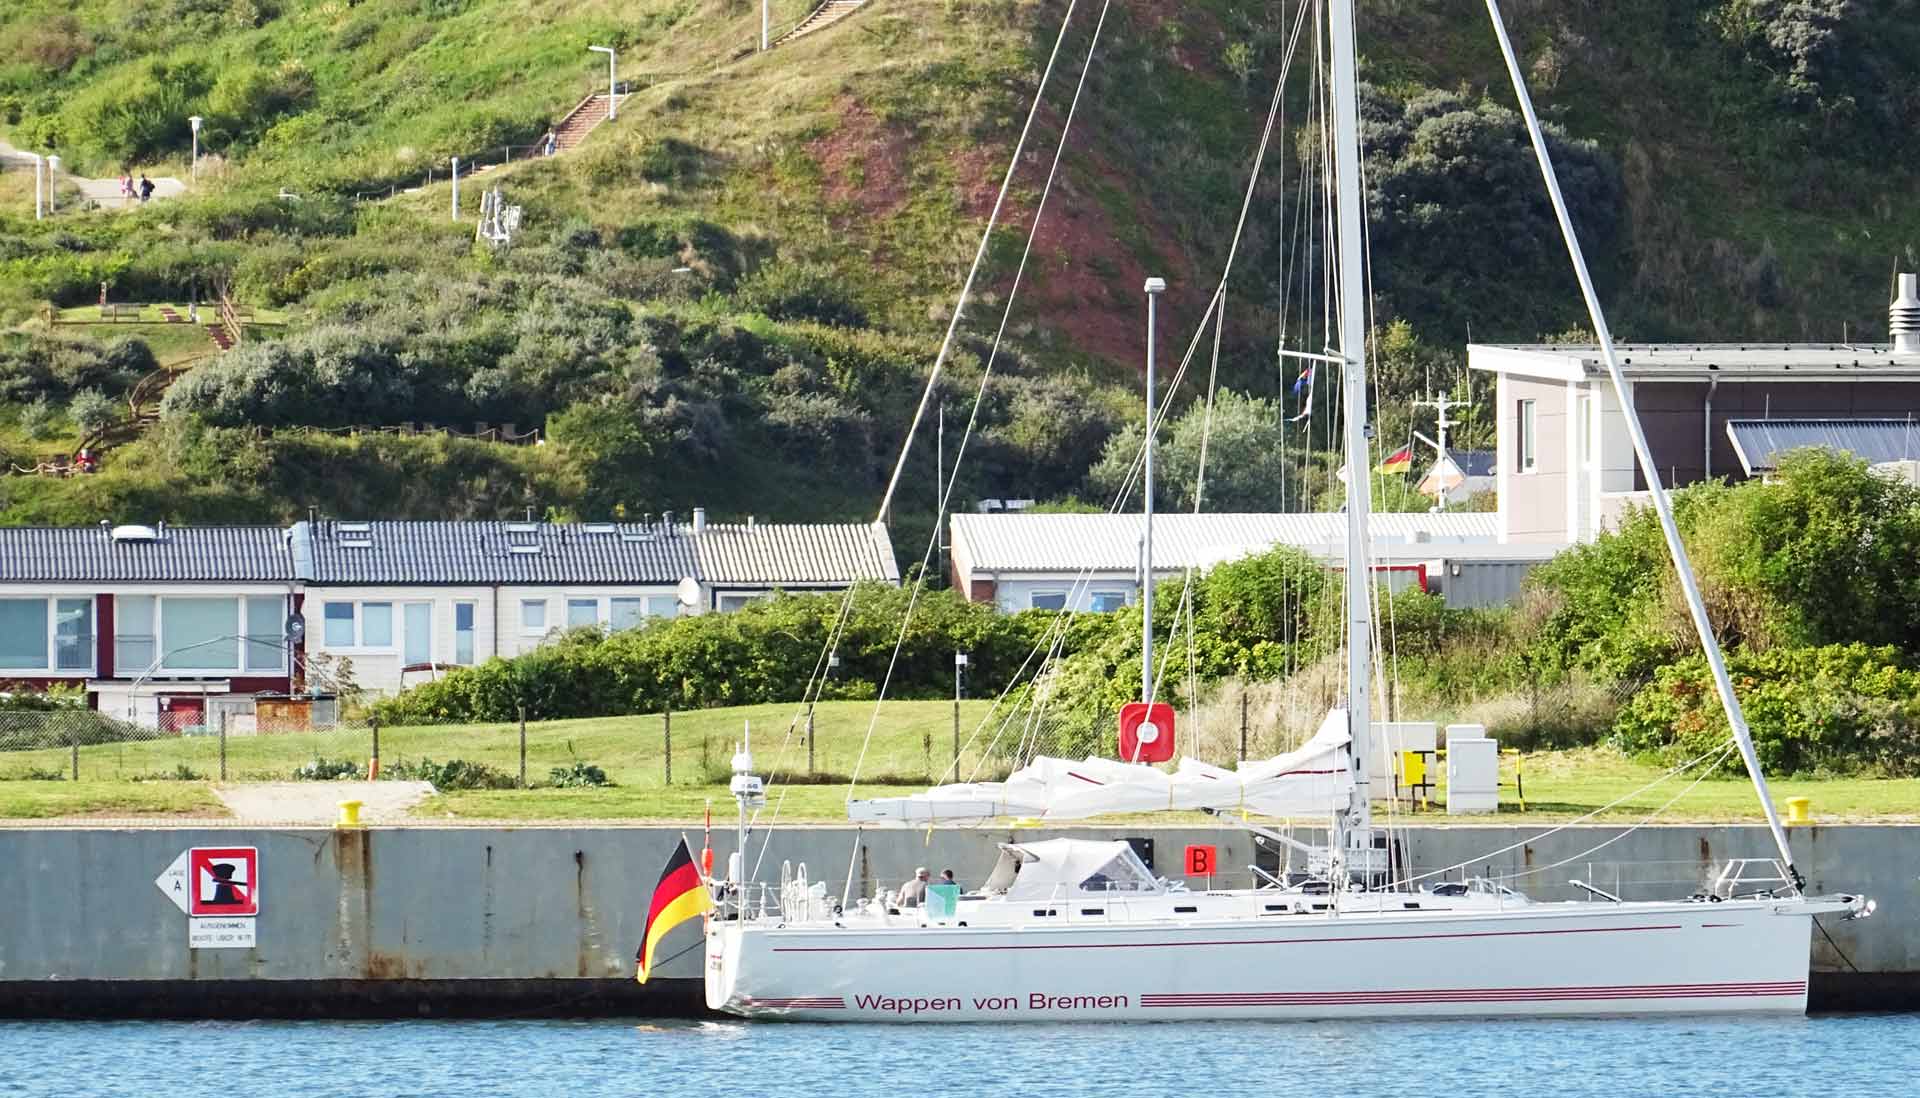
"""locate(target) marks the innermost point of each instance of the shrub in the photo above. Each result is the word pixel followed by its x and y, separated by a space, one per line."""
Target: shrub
pixel 452 774
pixel 327 770
pixel 1842 709
pixel 38 419
pixel 91 410
pixel 796 291
pixel 578 776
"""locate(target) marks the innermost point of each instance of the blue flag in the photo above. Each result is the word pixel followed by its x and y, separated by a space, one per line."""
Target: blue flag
pixel 1306 376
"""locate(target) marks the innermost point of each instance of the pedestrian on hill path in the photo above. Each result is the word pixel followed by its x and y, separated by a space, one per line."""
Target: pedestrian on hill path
pixel 550 142
pixel 146 187
pixel 126 186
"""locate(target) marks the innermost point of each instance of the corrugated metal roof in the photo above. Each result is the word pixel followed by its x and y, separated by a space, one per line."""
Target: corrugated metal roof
pixel 1760 443
pixel 1828 360
pixel 1111 543
pixel 794 554
pixel 1475 463
pixel 762 555
pixel 176 554
pixel 402 552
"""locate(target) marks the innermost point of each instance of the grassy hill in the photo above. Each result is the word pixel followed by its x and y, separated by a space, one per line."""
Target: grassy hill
pixel 729 296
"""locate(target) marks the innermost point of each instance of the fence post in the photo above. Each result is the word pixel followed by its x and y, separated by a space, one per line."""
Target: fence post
pixel 73 734
pixel 1243 726
pixel 666 726
pixel 373 768
pixel 809 740
pixel 523 747
pixel 223 745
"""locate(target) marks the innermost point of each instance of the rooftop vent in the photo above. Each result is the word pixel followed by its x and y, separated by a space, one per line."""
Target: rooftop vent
pixel 1903 317
pixel 355 535
pixel 599 528
pixel 135 533
pixel 699 520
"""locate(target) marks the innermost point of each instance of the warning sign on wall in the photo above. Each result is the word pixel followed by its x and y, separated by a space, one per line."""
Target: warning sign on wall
pixel 226 881
pixel 218 887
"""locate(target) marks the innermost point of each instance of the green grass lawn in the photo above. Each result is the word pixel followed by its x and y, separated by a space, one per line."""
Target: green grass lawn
pixel 144 778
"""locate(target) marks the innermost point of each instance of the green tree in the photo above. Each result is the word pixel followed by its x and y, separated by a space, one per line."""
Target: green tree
pixel 1245 451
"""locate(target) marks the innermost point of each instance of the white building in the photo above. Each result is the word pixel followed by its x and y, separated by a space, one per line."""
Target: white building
pixel 404 601
pixel 1092 562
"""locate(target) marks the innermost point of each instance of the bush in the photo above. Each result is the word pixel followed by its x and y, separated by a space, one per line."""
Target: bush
pixel 327 770
pixel 578 776
pixel 452 774
pixel 794 291
pixel 1837 709
pixel 91 410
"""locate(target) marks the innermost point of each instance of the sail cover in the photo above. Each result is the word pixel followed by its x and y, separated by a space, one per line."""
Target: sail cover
pixel 1313 779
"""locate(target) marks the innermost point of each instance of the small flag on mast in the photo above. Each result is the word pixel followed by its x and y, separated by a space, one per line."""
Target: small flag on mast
pixel 1305 379
pixel 1399 461
pixel 679 896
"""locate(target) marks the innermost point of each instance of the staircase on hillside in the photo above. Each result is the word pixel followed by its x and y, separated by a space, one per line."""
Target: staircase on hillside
pixel 580 121
pixel 824 16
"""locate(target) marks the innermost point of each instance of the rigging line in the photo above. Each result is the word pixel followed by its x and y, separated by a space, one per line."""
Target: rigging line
pixel 986 373
pixel 979 255
pixel 1675 772
pixel 1649 818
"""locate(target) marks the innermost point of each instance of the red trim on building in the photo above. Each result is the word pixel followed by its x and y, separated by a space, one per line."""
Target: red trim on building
pixel 103 636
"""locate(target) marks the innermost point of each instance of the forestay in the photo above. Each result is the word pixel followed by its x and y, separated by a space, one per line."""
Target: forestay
pixel 1314 779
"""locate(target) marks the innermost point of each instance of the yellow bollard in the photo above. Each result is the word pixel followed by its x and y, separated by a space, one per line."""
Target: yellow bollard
pixel 349 814
pixel 1797 811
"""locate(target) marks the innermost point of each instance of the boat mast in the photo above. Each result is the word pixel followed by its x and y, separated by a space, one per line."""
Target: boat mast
pixel 1352 303
pixel 1154 288
pixel 1656 491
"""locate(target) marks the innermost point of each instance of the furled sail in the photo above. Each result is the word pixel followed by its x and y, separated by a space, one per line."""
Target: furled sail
pixel 1313 779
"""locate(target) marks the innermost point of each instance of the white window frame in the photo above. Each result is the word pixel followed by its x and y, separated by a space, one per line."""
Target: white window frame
pixel 50 652
pixel 546 607
pixel 353 624
pixel 473 633
pixel 406 633
pixel 239 633
pixel 599 612
pixel 1033 596
pixel 396 645
pixel 1094 597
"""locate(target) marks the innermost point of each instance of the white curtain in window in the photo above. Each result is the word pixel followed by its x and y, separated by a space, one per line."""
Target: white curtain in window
pixel 376 625
pixel 463 633
pixel 23 633
pixel 73 634
pixel 197 633
pixel 339 630
pixel 133 634
pixel 625 613
pixel 417 623
pixel 266 627
pixel 533 615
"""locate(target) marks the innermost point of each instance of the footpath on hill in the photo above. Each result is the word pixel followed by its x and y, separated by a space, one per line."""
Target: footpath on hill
pixel 103 192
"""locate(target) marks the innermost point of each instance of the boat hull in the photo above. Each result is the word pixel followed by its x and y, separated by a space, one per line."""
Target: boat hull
pixel 1549 959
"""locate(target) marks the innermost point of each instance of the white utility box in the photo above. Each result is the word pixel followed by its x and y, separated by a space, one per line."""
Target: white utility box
pixel 1390 738
pixel 1473 774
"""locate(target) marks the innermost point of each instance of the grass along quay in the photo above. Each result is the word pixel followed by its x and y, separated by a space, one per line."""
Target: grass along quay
pixel 173 777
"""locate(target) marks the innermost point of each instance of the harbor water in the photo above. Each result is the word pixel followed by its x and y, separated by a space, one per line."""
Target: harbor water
pixel 1568 1058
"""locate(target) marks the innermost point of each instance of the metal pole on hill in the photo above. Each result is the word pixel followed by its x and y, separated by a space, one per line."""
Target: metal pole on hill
pixel 456 188
pixel 73 734
pixel 613 98
pixel 763 24
pixel 523 747
pixel 959 669
pixel 666 730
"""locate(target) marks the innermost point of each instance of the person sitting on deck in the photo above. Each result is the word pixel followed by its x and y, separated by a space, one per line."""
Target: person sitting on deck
pixel 914 892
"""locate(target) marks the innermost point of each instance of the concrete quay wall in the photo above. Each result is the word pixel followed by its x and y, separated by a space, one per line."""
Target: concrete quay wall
pixel 488 920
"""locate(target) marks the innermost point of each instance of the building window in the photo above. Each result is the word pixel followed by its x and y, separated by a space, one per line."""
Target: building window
pixel 72 634
pixel 533 617
pixel 23 634
pixel 663 606
pixel 339 625
pixel 1048 600
pixel 376 625
pixel 200 634
pixel 1523 424
pixel 266 632
pixel 1104 602
pixel 624 613
pixel 463 633
pixel 582 612
pixel 416 636
pixel 737 602
pixel 135 629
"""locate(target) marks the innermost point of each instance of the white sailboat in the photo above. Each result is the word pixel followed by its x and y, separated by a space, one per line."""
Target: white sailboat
pixel 1067 929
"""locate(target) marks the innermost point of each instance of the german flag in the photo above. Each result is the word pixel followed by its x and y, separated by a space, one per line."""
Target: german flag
pixel 679 896
pixel 1399 461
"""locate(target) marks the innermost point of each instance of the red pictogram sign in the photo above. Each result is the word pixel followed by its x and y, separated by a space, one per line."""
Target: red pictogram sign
pixel 1146 732
pixel 224 881
pixel 1202 860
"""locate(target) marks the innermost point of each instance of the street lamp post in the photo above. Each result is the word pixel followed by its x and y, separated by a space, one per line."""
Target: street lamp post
pixel 763 24
pixel 613 98
pixel 456 188
pixel 39 186
pixel 53 183
pixel 194 169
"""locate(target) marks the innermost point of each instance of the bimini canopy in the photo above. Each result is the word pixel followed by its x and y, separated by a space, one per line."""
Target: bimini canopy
pixel 1314 779
pixel 1058 869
